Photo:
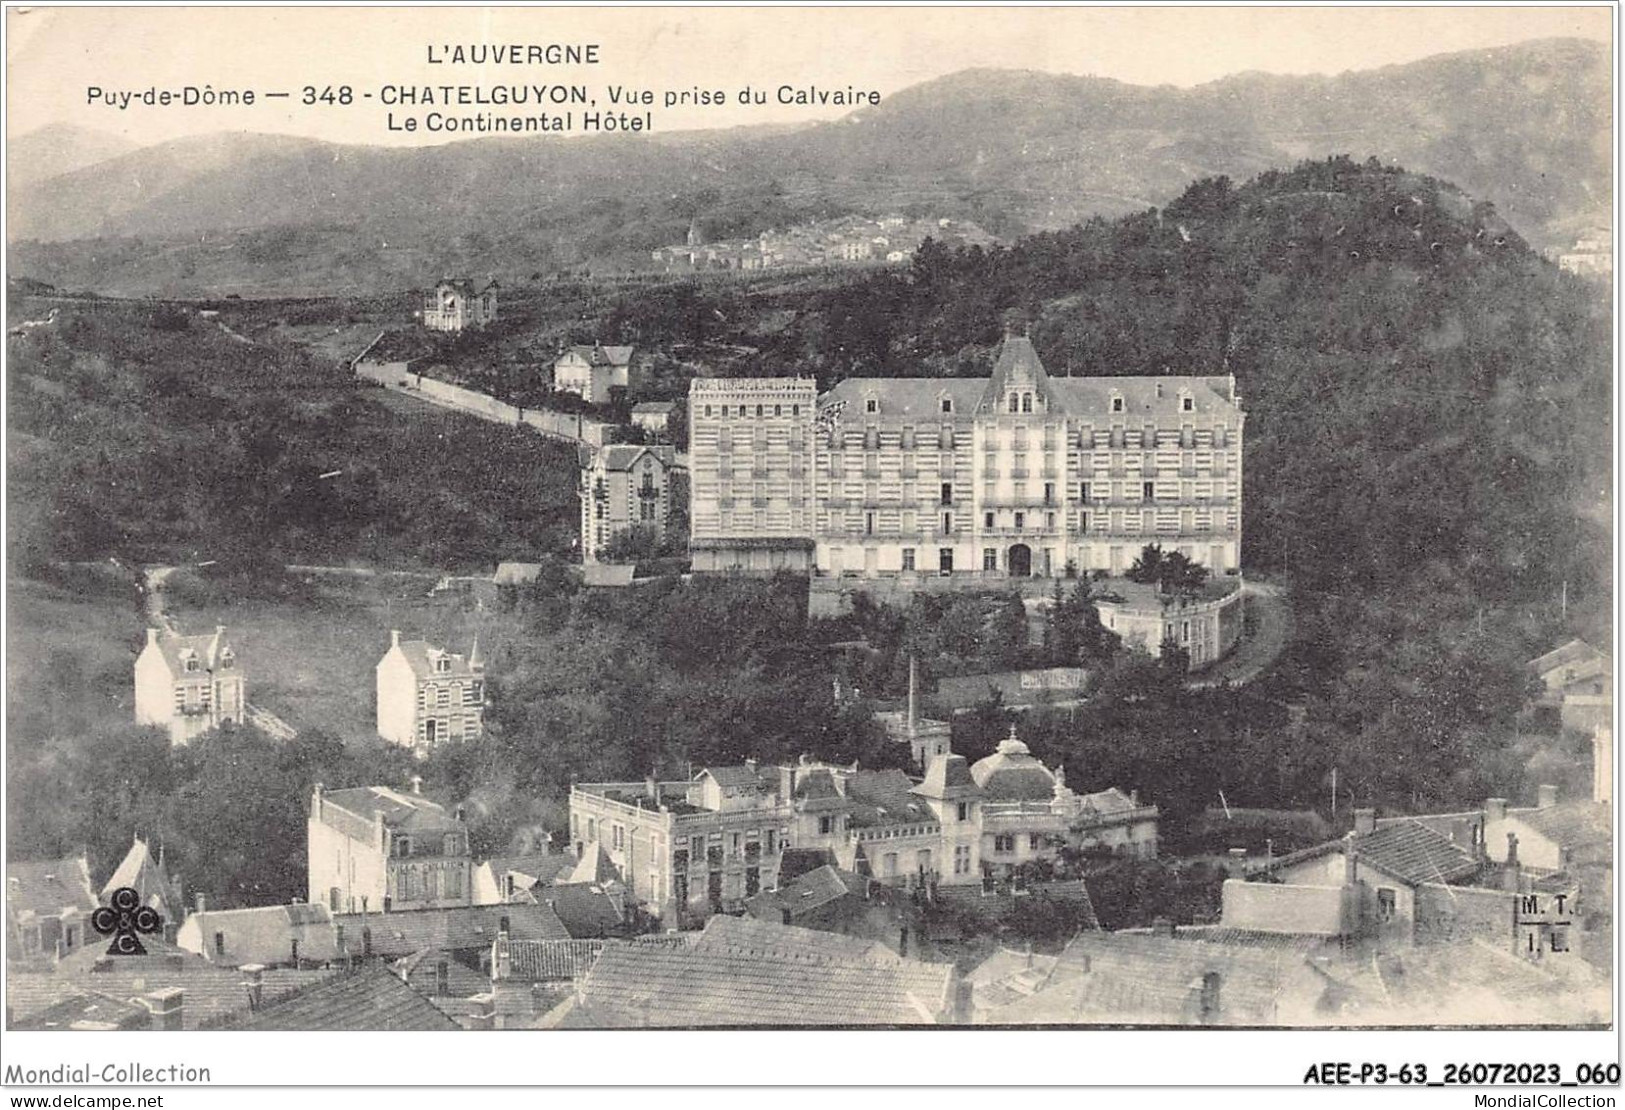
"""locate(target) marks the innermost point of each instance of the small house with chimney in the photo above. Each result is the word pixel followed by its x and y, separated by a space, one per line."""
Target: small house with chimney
pixel 428 695
pixel 456 304
pixel 591 372
pixel 48 908
pixel 294 935
pixel 373 849
pixel 188 685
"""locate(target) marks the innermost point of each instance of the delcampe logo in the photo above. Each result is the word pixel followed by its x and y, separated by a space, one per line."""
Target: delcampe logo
pixel 125 920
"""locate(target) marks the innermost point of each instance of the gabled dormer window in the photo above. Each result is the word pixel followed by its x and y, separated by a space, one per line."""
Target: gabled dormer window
pixel 947 404
pixel 443 665
pixel 1117 402
pixel 227 659
pixel 1187 403
pixel 871 404
pixel 188 660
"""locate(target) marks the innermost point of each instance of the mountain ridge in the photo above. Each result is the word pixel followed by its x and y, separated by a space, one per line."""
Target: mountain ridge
pixel 1525 127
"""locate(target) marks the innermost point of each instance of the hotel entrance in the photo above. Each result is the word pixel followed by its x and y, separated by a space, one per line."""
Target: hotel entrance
pixel 1020 561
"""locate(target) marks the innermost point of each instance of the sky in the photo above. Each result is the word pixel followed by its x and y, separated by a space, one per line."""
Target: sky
pixel 55 55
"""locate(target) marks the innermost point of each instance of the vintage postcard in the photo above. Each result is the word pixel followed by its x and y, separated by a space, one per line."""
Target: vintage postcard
pixel 563 521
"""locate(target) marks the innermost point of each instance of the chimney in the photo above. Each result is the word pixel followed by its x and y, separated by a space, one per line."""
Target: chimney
pixel 963 1006
pixel 458 814
pixel 202 902
pixel 902 941
pixel 394 638
pixel 482 1013
pixel 501 957
pixel 254 984
pixel 152 636
pixel 417 784
pixel 787 782
pixel 651 789
pixel 1351 861
pixel 1545 796
pixel 1495 809
pixel 1509 876
pixel 378 829
pixel 166 1007
pixel 1027 954
pixel 316 802
pixel 1365 821
pixel 913 691
pixel 1162 927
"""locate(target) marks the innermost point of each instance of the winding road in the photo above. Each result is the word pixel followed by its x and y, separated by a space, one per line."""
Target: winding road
pixel 1269 626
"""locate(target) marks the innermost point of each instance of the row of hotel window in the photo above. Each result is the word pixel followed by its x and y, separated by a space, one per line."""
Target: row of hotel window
pixel 724 411
pixel 1087 437
pixel 470 694
pixel 1187 520
pixel 1165 489
pixel 1188 465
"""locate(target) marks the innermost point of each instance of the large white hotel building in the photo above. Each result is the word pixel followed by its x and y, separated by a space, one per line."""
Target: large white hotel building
pixel 1014 475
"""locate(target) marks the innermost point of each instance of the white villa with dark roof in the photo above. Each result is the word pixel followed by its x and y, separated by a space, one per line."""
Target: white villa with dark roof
pixel 1015 475
pixel 188 684
pixel 590 372
pixel 427 695
pixel 372 849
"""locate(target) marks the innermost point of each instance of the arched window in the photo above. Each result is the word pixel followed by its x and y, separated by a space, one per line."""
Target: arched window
pixel 1026 402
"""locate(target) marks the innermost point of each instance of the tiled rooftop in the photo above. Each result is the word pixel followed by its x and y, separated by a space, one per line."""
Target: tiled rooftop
pixel 370 999
pixel 642 986
pixel 456 928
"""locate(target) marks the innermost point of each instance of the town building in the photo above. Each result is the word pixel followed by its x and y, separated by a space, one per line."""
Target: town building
pixel 519 878
pixel 375 849
pixel 1156 977
pixel 460 935
pixel 456 304
pixel 624 486
pixel 1012 476
pixel 427 695
pixel 292 935
pixel 48 908
pixel 751 465
pixel 743 972
pixel 686 850
pixel 1205 623
pixel 373 999
pixel 654 417
pixel 188 684
pixel 165 990
pixel 591 372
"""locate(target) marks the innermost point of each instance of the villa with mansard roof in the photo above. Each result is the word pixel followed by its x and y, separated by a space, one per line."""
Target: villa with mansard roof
pixel 188 685
pixel 428 695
